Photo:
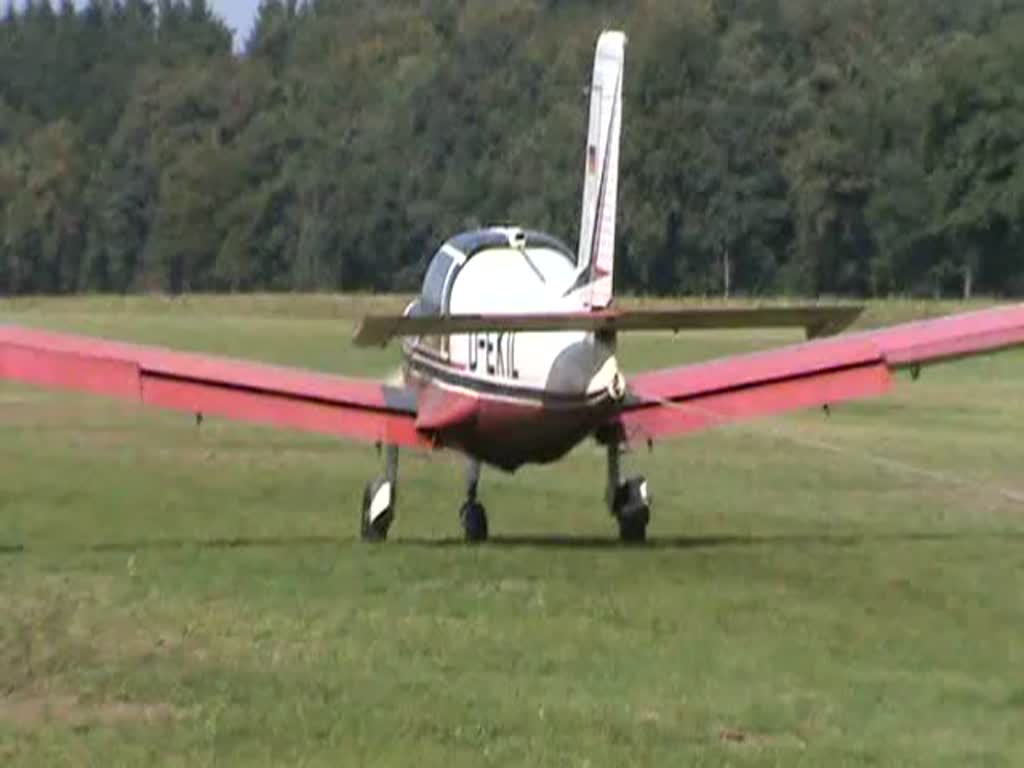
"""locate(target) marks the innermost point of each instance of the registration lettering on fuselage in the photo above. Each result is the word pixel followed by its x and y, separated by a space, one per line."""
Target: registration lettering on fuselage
pixel 493 353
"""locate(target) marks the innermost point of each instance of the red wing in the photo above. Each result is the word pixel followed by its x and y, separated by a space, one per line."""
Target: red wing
pixel 235 389
pixel 704 395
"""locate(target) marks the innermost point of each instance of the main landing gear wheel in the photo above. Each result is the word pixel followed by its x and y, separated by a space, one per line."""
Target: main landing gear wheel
pixel 628 501
pixel 379 500
pixel 474 521
pixel 632 509
pixel 378 510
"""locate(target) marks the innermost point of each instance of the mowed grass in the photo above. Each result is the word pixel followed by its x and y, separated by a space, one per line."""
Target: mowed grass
pixel 818 591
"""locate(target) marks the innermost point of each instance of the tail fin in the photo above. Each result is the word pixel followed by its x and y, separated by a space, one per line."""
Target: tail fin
pixel 596 253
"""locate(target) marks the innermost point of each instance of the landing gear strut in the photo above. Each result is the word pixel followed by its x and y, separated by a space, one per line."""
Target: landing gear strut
pixel 628 501
pixel 379 499
pixel 472 513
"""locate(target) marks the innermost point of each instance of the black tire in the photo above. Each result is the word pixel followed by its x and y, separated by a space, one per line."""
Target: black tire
pixel 633 530
pixel 632 510
pixel 474 521
pixel 376 530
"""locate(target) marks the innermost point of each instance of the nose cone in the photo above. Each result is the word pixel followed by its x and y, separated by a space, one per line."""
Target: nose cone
pixel 587 368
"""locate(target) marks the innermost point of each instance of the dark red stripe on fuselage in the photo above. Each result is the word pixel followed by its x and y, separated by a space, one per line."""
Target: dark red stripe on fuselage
pixel 433 367
pixel 503 425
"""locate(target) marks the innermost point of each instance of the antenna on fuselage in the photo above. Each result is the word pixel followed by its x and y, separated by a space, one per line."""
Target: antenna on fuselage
pixel 517 240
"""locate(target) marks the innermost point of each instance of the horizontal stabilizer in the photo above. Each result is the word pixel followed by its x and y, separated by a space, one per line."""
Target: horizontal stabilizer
pixel 378 330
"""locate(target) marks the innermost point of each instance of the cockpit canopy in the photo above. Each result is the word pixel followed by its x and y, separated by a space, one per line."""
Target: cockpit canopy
pixel 435 296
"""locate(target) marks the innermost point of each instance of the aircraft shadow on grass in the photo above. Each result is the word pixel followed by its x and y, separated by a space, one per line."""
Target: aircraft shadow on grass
pixel 232 542
pixel 541 541
pixel 702 542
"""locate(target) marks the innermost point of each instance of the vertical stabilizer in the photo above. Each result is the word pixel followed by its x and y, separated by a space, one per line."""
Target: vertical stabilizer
pixel 596 252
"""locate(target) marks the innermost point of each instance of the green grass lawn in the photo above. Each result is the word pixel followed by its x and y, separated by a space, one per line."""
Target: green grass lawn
pixel 817 592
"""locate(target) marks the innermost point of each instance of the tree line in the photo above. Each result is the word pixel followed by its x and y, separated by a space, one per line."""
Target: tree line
pixel 848 147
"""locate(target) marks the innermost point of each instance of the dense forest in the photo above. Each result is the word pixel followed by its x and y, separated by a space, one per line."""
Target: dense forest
pixel 854 147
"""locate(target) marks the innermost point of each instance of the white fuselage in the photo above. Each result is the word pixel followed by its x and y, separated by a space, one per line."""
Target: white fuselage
pixel 521 280
pixel 509 398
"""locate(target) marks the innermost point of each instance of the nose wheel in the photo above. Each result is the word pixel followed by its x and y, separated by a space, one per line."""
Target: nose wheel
pixel 474 521
pixel 472 514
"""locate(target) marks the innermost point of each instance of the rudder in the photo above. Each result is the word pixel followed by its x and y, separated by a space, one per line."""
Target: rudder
pixel 596 250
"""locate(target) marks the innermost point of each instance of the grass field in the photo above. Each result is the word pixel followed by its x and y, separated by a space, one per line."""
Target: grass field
pixel 180 596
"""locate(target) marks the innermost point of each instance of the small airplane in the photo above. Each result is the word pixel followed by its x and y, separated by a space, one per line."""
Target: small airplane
pixel 509 356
